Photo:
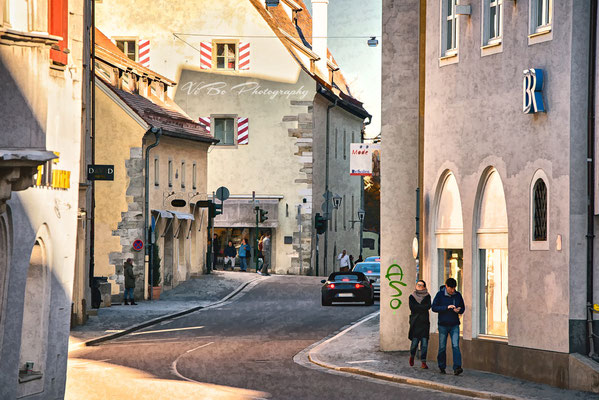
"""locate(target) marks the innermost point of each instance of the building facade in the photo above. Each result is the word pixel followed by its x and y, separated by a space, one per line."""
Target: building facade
pixel 40 135
pixel 255 78
pixel 502 138
pixel 134 112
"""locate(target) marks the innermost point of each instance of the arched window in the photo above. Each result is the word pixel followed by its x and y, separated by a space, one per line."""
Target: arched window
pixel 539 211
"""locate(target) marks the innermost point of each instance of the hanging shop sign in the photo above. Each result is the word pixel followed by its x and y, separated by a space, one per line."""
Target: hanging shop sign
pixel 365 159
pixel 532 91
pixel 52 177
pixel 100 172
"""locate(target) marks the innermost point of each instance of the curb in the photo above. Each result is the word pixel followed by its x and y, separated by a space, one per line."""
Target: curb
pixel 312 355
pixel 145 324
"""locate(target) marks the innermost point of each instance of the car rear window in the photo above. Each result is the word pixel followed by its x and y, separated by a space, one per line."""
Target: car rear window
pixel 340 277
pixel 368 268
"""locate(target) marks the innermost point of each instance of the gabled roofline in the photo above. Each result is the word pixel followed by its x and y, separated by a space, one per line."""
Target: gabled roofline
pixel 300 46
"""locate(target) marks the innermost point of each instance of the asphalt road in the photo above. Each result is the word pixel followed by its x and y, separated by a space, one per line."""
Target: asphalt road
pixel 249 342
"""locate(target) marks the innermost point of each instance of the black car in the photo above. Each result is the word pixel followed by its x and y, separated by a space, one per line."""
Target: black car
pixel 347 287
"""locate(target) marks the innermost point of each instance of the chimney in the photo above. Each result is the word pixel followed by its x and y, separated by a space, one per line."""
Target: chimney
pixel 320 33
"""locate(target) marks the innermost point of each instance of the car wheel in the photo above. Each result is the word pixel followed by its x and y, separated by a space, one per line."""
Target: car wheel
pixel 325 302
pixel 370 302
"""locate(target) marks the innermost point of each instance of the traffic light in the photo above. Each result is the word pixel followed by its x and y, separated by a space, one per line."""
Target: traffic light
pixel 263 216
pixel 215 209
pixel 320 224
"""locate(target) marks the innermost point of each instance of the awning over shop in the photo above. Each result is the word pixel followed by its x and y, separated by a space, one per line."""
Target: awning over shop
pixel 180 215
pixel 163 213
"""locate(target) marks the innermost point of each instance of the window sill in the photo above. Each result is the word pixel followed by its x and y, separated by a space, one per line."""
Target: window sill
pixel 12 35
pixel 449 58
pixel 493 47
pixel 543 34
pixel 30 376
pixel 492 43
pixel 492 338
pixel 537 245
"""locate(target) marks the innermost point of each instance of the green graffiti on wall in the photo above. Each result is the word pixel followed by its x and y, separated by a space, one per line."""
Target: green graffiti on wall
pixel 395 277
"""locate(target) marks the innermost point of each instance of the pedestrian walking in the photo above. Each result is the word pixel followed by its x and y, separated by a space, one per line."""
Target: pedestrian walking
pixel 343 261
pixel 449 304
pixel 266 254
pixel 230 254
pixel 129 282
pixel 360 259
pixel 215 251
pixel 351 261
pixel 244 254
pixel 260 254
pixel 420 326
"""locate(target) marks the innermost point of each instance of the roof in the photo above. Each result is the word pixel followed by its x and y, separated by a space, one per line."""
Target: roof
pixel 293 36
pixel 156 111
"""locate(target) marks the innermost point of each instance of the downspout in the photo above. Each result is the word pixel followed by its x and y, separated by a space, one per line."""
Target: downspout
pixel 92 83
pixel 157 132
pixel 326 188
pixel 591 174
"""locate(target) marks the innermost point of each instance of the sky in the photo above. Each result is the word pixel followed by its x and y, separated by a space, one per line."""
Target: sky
pixel 360 63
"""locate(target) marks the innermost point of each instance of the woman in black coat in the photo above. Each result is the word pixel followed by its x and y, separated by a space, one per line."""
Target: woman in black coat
pixel 420 303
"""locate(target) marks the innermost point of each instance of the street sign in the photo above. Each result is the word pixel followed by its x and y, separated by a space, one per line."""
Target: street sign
pixel 138 245
pixel 222 193
pixel 100 172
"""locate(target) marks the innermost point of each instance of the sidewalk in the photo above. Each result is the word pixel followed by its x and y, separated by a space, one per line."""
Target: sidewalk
pixel 356 350
pixel 195 293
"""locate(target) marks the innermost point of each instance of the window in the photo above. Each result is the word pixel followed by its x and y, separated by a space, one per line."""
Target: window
pixel 344 145
pixel 156 172
pixel 129 47
pixel 541 11
pixel 493 21
pixel 449 32
pixel 182 174
pixel 336 142
pixel 540 211
pixel 224 130
pixel 494 281
pixel 226 56
pixel 194 176
pixel 170 173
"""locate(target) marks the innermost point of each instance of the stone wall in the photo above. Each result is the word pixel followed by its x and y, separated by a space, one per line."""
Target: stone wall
pixel 303 134
pixel 131 226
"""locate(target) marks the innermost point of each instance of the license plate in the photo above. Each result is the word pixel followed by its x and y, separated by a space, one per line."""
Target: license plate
pixel 345 295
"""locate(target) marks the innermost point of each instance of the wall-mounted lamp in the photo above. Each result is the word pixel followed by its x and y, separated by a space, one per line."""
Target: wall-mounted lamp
pixel 361 215
pixel 373 42
pixel 337 201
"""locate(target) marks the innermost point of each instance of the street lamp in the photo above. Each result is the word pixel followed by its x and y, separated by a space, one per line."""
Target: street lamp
pixel 272 3
pixel 361 216
pixel 372 42
pixel 337 201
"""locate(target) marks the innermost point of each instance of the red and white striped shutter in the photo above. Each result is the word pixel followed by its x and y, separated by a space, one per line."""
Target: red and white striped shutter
pixel 205 121
pixel 243 132
pixel 206 55
pixel 144 52
pixel 244 56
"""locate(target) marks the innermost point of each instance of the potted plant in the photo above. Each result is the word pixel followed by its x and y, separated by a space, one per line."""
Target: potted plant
pixel 156 288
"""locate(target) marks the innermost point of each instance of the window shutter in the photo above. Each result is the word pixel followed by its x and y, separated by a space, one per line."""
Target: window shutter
pixel 243 132
pixel 144 52
pixel 206 55
pixel 58 25
pixel 205 122
pixel 244 56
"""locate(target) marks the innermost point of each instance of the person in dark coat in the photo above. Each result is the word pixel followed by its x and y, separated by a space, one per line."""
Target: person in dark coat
pixel 450 305
pixel 420 326
pixel 129 282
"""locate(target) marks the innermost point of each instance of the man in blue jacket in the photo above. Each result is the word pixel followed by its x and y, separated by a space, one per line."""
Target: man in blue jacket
pixel 449 304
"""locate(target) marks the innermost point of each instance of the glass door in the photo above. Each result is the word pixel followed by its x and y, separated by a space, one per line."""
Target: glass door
pixel 494 289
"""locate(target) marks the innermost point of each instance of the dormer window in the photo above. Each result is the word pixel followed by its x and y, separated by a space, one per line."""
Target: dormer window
pixel 226 56
pixel 129 47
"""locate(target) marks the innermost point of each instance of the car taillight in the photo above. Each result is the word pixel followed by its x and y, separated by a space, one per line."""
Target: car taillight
pixel 331 286
pixel 359 285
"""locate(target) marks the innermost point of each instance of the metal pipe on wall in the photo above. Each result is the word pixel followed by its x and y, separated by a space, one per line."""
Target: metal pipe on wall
pixel 326 187
pixel 591 173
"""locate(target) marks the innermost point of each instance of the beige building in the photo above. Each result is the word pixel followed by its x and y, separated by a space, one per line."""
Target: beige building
pixel 140 132
pixel 257 80
pixel 40 135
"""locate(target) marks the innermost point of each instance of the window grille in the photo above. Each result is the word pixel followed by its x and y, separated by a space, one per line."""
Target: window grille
pixel 540 211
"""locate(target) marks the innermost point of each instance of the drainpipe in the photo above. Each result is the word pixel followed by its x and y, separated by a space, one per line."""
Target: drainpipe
pixel 326 188
pixel 157 132
pixel 591 174
pixel 92 83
